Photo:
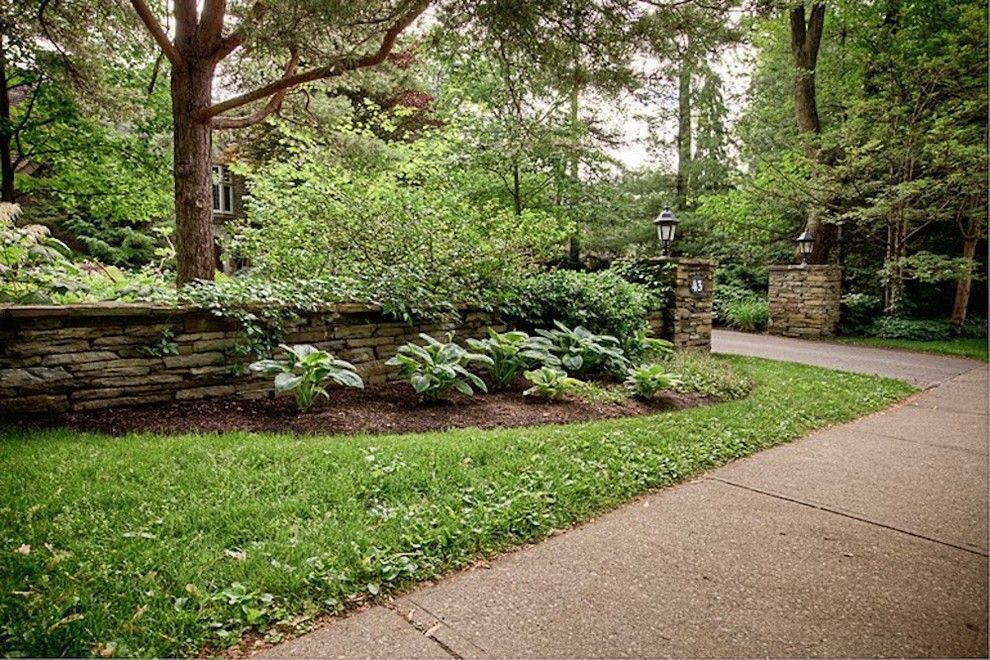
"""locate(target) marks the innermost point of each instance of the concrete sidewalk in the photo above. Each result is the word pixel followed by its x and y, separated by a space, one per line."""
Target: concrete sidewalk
pixel 867 539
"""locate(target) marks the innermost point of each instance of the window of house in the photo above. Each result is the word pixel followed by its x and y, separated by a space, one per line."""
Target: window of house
pixel 223 190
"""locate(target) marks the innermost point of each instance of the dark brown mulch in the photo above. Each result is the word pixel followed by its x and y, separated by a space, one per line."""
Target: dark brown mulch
pixel 392 408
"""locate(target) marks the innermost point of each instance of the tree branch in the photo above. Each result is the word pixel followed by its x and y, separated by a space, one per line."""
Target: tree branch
pixel 330 71
pixel 155 28
pixel 211 23
pixel 273 105
pixel 236 38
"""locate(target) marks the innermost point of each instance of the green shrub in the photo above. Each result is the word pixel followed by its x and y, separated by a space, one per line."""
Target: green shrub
pixel 438 367
pixel 858 311
pixel 656 277
pixel 306 371
pixel 708 375
pixel 602 302
pixel 549 383
pixel 645 381
pixel 643 348
pixel 975 326
pixel 512 353
pixel 892 327
pixel 581 351
pixel 726 295
pixel 748 314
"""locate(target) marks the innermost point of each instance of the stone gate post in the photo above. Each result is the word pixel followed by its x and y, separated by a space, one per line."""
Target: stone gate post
pixel 687 319
pixel 804 300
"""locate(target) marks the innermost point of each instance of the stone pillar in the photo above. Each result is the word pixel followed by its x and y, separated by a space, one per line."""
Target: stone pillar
pixel 687 318
pixel 804 300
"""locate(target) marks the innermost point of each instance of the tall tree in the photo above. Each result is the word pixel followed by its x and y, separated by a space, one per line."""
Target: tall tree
pixel 806 39
pixel 332 38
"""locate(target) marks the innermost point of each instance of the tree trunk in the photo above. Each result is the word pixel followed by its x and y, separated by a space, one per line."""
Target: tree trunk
pixel 806 40
pixel 194 240
pixel 517 205
pixel 6 158
pixel 574 242
pixel 961 303
pixel 683 182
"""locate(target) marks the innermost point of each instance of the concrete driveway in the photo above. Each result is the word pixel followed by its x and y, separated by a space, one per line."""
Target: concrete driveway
pixel 867 539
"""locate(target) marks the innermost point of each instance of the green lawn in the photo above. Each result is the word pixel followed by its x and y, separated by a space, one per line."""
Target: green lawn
pixel 154 545
pixel 968 347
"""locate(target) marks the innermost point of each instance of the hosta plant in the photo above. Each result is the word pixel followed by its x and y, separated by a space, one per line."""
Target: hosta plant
pixel 306 371
pixel 582 351
pixel 550 383
pixel 436 368
pixel 512 353
pixel 645 381
pixel 642 348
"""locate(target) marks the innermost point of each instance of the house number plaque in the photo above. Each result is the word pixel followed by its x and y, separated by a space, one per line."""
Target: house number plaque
pixel 697 285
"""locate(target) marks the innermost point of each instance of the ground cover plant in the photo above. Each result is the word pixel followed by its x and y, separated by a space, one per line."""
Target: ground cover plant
pixel 511 354
pixel 148 546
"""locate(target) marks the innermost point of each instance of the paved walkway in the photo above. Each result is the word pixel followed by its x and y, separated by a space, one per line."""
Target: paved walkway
pixel 867 539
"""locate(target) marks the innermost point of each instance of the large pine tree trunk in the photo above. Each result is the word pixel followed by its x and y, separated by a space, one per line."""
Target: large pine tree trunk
pixel 194 241
pixel 963 286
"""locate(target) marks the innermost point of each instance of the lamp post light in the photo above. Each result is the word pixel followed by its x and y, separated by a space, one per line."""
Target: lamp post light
pixel 666 224
pixel 806 244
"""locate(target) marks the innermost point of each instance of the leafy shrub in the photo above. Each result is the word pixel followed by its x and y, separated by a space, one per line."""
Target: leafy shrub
pixel 658 277
pixel 435 368
pixel 643 348
pixel 602 302
pixel 582 351
pixel 549 383
pixel 404 224
pixel 858 311
pixel 892 327
pixel 748 314
pixel 306 371
pixel 512 353
pixel 645 381
pixel 709 376
pixel 975 326
pixel 33 265
pixel 726 295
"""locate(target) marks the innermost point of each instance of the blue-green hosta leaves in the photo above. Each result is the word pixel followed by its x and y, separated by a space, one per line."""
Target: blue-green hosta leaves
pixel 512 353
pixel 306 371
pixel 582 351
pixel 436 368
pixel 646 380
pixel 549 383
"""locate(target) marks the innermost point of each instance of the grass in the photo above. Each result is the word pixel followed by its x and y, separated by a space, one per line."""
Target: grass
pixel 150 545
pixel 968 347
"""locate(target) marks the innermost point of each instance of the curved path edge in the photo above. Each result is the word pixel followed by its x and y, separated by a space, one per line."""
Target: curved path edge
pixel 865 539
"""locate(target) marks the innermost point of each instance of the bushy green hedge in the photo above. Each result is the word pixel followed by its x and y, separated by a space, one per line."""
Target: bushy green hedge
pixel 749 314
pixel 603 302
pixel 892 327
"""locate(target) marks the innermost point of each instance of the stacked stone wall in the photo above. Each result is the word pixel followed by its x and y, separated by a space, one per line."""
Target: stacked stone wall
pixel 83 357
pixel 688 321
pixel 804 300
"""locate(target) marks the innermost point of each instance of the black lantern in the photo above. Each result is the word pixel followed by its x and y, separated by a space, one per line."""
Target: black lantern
pixel 666 224
pixel 806 244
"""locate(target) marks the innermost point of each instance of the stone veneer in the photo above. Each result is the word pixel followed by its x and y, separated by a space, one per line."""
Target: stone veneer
pixel 688 321
pixel 56 358
pixel 804 300
pixel 81 357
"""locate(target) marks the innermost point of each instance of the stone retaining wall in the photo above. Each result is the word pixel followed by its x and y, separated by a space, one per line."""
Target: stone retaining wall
pixel 804 300
pixel 81 357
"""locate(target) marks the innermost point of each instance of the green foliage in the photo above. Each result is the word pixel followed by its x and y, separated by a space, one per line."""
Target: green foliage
pixel 165 345
pixel 306 371
pixel 314 523
pixel 858 311
pixel 644 348
pixel 893 327
pixel 659 279
pixel 581 351
pixel 646 380
pixel 33 265
pixel 748 314
pixel 709 375
pixel 511 354
pixel 402 232
pixel 602 302
pixel 436 368
pixel 549 383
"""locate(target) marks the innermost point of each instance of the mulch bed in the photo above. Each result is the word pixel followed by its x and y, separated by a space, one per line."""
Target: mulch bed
pixel 392 408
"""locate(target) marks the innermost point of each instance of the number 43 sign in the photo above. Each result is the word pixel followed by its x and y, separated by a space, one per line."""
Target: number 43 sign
pixel 697 285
